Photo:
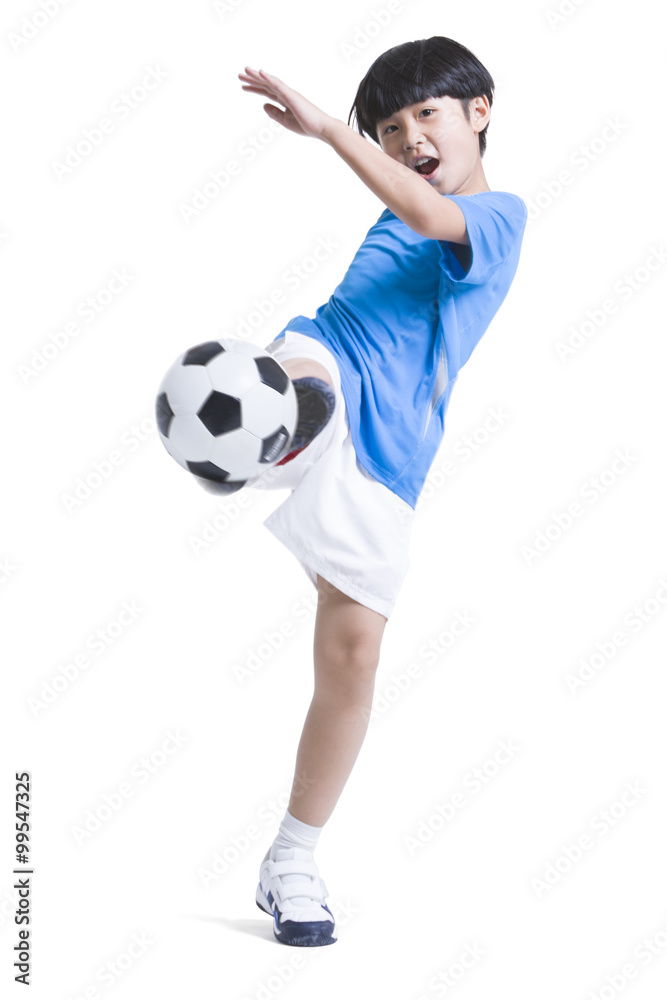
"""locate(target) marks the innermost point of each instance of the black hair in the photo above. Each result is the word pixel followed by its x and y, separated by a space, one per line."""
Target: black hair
pixel 414 71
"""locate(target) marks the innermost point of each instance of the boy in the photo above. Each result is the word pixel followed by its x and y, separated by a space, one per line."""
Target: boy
pixel 373 373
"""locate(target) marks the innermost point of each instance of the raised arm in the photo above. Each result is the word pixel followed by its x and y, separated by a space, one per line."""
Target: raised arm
pixel 402 190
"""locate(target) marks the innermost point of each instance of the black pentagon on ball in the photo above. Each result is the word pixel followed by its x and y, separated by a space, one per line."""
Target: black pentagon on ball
pixel 163 414
pixel 274 444
pixel 271 373
pixel 208 470
pixel 203 353
pixel 220 413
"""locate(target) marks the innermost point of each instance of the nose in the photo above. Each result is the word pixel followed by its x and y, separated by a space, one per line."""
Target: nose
pixel 412 137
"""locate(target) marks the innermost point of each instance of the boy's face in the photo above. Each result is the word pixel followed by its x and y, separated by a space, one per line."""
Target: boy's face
pixel 438 128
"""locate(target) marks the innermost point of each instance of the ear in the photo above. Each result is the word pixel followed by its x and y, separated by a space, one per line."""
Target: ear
pixel 480 112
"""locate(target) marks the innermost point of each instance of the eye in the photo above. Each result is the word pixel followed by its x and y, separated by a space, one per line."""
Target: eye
pixel 429 110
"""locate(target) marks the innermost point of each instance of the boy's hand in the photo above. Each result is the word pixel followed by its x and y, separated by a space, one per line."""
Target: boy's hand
pixel 299 116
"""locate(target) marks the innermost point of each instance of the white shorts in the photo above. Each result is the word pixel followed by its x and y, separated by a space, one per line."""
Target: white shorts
pixel 339 521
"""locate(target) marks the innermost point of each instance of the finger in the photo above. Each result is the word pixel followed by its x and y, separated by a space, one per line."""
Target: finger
pixel 273 81
pixel 258 74
pixel 252 79
pixel 264 83
pixel 262 86
pixel 258 87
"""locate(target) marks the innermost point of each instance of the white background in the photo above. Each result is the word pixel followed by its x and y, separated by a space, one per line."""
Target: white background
pixel 405 916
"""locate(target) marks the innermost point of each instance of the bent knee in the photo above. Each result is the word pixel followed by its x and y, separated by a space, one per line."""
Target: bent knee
pixel 348 636
pixel 349 664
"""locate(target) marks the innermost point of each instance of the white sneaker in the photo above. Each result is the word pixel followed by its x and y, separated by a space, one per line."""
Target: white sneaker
pixel 300 914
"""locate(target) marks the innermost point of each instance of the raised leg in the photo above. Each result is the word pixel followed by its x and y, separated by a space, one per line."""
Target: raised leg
pixel 299 367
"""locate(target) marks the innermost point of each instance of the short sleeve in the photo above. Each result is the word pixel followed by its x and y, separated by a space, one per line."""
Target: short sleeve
pixel 495 221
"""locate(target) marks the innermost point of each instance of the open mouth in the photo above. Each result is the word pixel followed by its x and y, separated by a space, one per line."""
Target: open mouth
pixel 427 166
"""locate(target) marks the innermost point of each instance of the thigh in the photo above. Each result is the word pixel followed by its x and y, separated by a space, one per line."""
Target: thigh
pixel 298 367
pixel 346 526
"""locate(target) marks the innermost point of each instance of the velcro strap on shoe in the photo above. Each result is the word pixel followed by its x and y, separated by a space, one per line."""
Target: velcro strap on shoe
pixel 292 867
pixel 312 890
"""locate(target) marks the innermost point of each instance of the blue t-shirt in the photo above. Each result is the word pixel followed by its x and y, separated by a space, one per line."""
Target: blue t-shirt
pixel 403 322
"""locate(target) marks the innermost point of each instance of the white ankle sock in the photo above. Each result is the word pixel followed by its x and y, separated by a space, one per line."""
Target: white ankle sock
pixel 295 833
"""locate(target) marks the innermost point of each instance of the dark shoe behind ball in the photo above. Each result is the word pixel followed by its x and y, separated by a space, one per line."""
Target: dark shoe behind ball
pixel 316 401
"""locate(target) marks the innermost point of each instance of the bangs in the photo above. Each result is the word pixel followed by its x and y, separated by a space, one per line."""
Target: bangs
pixel 415 72
pixel 381 101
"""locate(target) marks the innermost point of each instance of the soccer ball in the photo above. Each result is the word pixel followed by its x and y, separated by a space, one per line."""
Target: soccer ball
pixel 226 410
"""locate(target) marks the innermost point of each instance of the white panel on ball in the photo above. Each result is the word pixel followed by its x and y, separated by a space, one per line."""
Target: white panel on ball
pixel 189 438
pixel 238 452
pixel 263 410
pixel 232 372
pixel 242 347
pixel 187 387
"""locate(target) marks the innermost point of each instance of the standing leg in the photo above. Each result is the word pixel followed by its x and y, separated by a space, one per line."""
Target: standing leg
pixel 346 650
pixel 346 654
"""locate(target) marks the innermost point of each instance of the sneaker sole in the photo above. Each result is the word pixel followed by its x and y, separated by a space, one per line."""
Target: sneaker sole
pixel 304 934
